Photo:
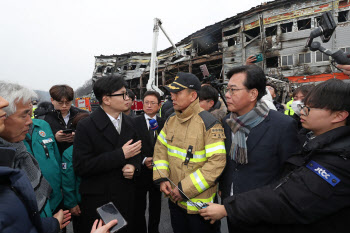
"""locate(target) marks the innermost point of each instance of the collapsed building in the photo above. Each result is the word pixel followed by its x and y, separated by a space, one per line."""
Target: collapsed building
pixel 278 30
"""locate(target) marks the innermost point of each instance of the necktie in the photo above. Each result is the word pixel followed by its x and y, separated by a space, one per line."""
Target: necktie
pixel 151 133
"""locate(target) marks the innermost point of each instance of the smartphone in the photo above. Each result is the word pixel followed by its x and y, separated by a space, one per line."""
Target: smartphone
pixel 67 131
pixel 259 58
pixel 109 212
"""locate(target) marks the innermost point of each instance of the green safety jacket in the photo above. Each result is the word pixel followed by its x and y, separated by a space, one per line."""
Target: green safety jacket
pixel 42 145
pixel 70 182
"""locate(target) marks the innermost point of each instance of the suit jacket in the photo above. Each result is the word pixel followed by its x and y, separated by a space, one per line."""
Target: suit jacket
pixel 269 145
pixel 98 159
pixel 147 146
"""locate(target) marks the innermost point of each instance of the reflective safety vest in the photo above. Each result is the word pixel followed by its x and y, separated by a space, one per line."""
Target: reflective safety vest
pixel 289 111
pixel 197 129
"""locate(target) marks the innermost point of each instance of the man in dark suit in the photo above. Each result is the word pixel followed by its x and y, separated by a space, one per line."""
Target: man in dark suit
pixel 258 140
pixel 106 154
pixel 151 104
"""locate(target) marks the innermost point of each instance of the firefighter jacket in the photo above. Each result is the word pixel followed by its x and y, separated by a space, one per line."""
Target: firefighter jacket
pixel 198 129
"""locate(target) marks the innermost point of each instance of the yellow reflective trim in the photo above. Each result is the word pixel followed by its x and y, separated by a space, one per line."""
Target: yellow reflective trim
pixel 199 189
pixel 161 161
pixel 202 178
pixel 222 151
pixel 161 168
pixel 215 148
pixel 161 137
pixel 181 154
pixel 201 152
pixel 214 145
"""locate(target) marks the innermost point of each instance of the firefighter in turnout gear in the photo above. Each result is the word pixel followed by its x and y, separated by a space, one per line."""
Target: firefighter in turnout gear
pixel 190 151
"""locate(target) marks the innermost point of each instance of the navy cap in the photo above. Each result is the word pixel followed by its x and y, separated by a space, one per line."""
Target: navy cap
pixel 183 81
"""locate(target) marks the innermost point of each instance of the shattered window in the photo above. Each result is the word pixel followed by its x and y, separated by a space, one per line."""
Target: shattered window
pixel 287 60
pixel 252 33
pixel 343 16
pixel 231 42
pixel 99 69
pixel 271 31
pixel 231 32
pixel 109 70
pixel 304 24
pixel 304 58
pixel 317 21
pixel 321 57
pixel 286 27
pixel 272 62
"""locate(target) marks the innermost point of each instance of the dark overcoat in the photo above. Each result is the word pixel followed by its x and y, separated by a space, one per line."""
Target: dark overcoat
pixel 98 159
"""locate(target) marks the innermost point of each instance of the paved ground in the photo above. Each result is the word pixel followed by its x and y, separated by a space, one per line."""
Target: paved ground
pixel 165 225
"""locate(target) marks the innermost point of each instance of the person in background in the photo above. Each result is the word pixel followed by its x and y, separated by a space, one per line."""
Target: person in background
pixel 106 154
pixel 62 116
pixel 298 97
pixel 42 109
pixel 144 182
pixel 312 195
pixel 35 106
pixel 16 125
pixel 71 182
pixel 258 140
pixel 209 101
pixel 168 104
pixel 40 142
pixel 130 102
pixel 273 91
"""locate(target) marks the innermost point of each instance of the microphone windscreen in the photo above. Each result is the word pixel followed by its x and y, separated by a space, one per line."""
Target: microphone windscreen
pixel 154 124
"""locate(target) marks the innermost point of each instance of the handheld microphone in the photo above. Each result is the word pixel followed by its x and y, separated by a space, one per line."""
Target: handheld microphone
pixel 153 124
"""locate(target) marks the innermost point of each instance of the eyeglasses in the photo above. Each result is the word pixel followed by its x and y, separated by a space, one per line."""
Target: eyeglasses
pixel 305 109
pixel 125 94
pixel 149 103
pixel 61 103
pixel 231 91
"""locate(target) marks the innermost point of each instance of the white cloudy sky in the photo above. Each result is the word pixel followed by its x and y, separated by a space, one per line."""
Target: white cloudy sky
pixel 47 42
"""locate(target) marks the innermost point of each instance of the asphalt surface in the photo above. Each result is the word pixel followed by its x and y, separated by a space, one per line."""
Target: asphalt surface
pixel 165 223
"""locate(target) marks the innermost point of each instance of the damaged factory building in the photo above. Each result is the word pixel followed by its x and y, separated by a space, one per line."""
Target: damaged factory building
pixel 278 30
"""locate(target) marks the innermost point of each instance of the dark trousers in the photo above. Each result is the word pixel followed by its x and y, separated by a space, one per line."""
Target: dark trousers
pixel 189 223
pixel 154 207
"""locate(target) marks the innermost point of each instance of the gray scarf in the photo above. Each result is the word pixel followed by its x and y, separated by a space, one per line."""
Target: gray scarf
pixel 26 162
pixel 241 127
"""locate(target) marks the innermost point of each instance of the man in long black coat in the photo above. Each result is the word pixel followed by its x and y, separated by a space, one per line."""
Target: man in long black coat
pixel 106 154
pixel 144 182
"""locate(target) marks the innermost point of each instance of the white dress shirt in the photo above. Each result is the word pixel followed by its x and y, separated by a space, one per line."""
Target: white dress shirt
pixel 116 122
pixel 66 118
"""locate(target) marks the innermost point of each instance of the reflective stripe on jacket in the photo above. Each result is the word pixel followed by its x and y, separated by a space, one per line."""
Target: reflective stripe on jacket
pixel 198 179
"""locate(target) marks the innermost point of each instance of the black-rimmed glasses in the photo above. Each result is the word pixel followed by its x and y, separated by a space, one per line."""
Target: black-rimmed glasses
pixel 305 109
pixel 125 94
